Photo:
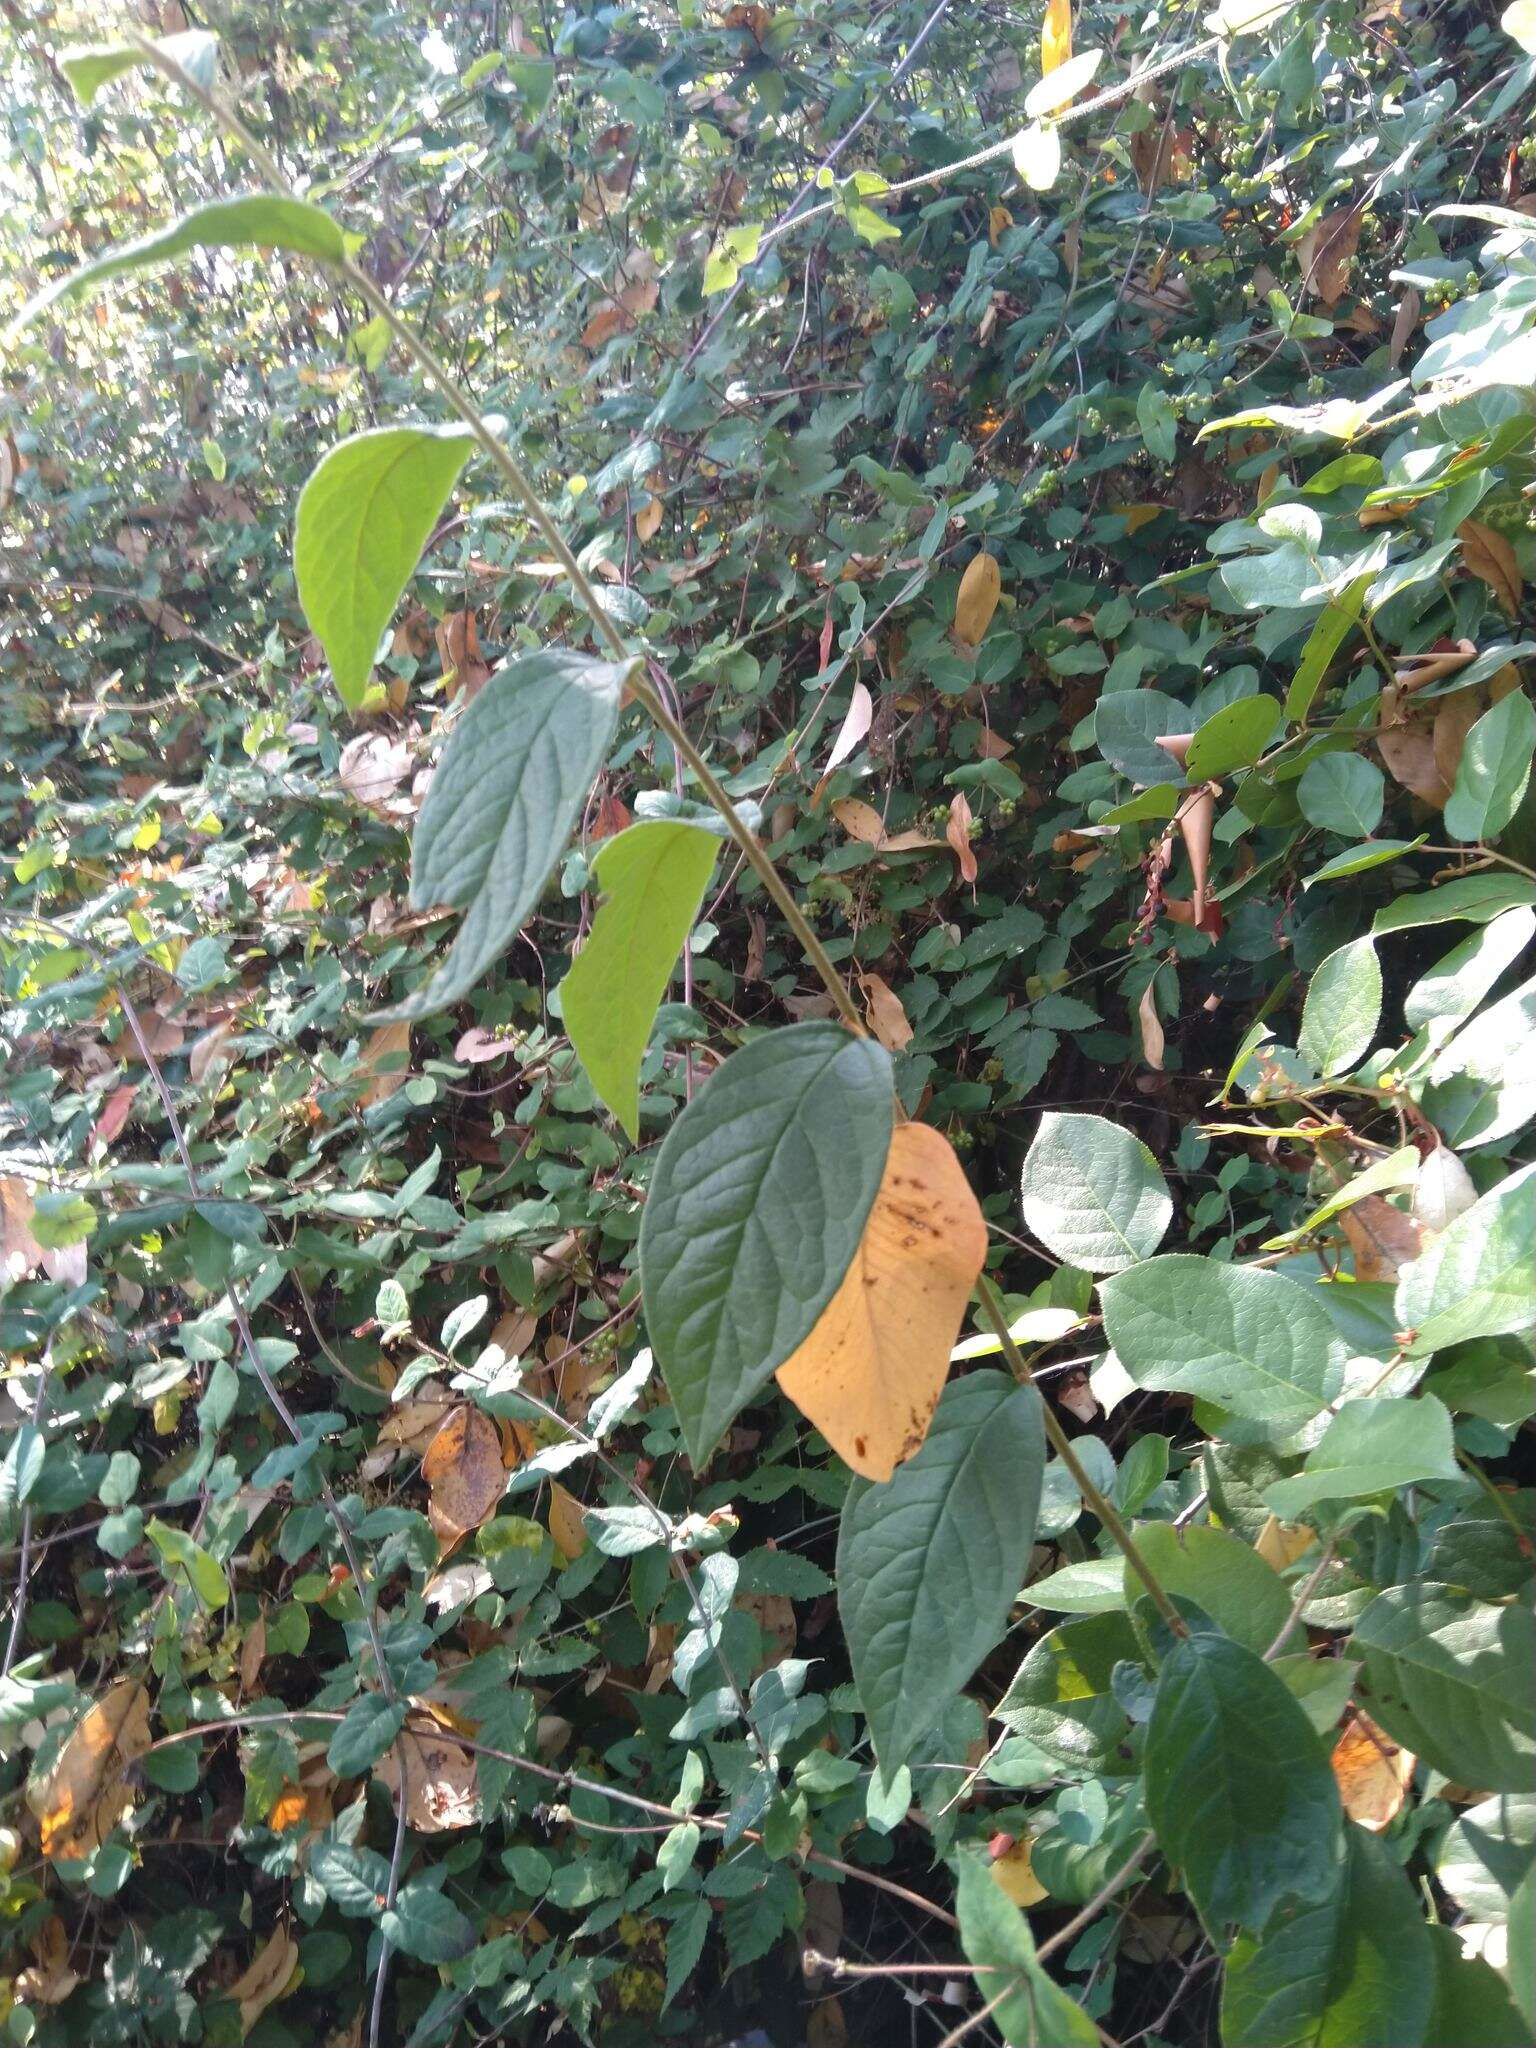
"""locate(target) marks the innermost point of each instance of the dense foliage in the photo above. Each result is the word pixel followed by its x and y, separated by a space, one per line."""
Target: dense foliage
pixel 828 692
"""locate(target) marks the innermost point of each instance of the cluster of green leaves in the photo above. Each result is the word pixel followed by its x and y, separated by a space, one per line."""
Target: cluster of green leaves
pixel 333 1247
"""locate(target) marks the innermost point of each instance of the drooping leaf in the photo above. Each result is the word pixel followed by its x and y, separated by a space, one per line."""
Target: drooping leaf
pixel 1245 1339
pixel 1371 1447
pixel 929 1563
pixel 506 792
pixel 756 1207
pixel 871 1369
pixel 1093 1194
pixel 90 66
pixel 1352 1967
pixel 1475 1279
pixel 257 220
pixel 653 877
pixel 1343 1008
pixel 1035 2012
pixel 187 1563
pixel 1493 771
pixel 1238 1786
pixel 1323 643
pixel 363 519
pixel 1447 1675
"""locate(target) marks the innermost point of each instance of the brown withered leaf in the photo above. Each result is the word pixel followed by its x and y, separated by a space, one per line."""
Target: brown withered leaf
pixel 1383 1239
pixel 442 1790
pixel 1407 748
pixel 48 1979
pixel 648 519
pixel 85 1794
pixel 1153 1039
pixel 1326 253
pixel 385 1058
pixel 372 767
pixel 863 822
pixel 870 1373
pixel 884 1014
pixel 253 1654
pixel 266 1978
pixel 464 1469
pixel 566 1527
pixel 1489 556
pixel 458 649
pixel 1373 1772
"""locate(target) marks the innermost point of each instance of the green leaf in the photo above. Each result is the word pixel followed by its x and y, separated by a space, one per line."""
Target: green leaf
pixel 1062 1697
pixel 371 1725
pixel 1342 1010
pixel 1097 1586
pixel 1355 1967
pixel 1248 1340
pixel 356 1880
pixel 1093 1194
pixel 1449 1678
pixel 90 66
pixel 1126 726
pixel 1371 1447
pixel 1457 983
pixel 756 1206
pixel 501 805
pixel 60 1219
pixel 1486 1854
pixel 1342 793
pixel 1158 422
pixel 930 1562
pixel 1220 1573
pixel 1354 860
pixel 1323 643
pixel 653 877
pixel 1034 2012
pixel 1476 898
pixel 1239 1788
pixel 1493 771
pixel 1472 2008
pixel 256 221
pixel 187 1563
pixel 1475 1279
pixel 423 1924
pixel 364 517
pixel 1233 737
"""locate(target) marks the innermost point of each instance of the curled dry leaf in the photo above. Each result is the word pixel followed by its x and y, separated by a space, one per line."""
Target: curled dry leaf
pixel 884 1013
pixel 870 1373
pixel 1489 556
pixel 980 588
pixel 372 767
pixel 863 822
pixel 442 1790
pixel 1326 253
pixel 253 1654
pixel 648 519
pixel 1197 821
pixel 264 1982
pixel 464 1469
pixel 208 1050
pixel 20 1252
pixel 857 720
pixel 1407 748
pixel 1383 1239
pixel 958 833
pixel 610 816
pixel 384 1059
pixel 1372 1771
pixel 1414 671
pixel 85 1795
pixel 1153 1038
pixel 1281 1543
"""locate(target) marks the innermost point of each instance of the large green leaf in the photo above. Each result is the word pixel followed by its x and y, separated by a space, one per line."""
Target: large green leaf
pixel 255 221
pixel 1323 643
pixel 1371 1447
pixel 1483 1084
pixel 1233 737
pixel 1342 1010
pixel 1472 2008
pixel 1494 768
pixel 1126 725
pixel 756 1206
pixel 512 778
pixel 1352 1969
pixel 1248 1340
pixel 653 879
pixel 1478 1279
pixel 1239 1788
pixel 90 66
pixel 1342 793
pixel 363 520
pixel 1093 1194
pixel 1450 1678
pixel 929 1563
pixel 1457 983
pixel 1487 1853
pixel 1062 1697
pixel 1035 2012
pixel 1220 1573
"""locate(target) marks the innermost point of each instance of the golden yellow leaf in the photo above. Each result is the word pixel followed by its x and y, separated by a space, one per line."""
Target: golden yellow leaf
pixel 870 1373
pixel 289 1810
pixel 999 220
pixel 1055 36
pixel 1138 516
pixel 1489 556
pixel 980 588
pixel 863 822
pixel 1281 1543
pixel 267 1978
pixel 1014 1873
pixel 384 1059
pixel 85 1796
pixel 565 1523
pixel 464 1469
pixel 1372 1772
pixel 648 519
pixel 884 1013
